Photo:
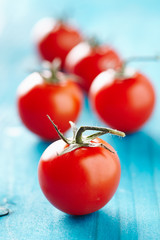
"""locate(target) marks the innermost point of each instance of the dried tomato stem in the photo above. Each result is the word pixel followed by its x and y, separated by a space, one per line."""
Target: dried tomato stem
pixel 141 58
pixel 102 130
pixel 78 140
pixel 59 133
pixel 121 71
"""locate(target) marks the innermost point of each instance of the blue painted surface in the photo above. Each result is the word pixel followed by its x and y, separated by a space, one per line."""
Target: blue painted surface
pixel 133 213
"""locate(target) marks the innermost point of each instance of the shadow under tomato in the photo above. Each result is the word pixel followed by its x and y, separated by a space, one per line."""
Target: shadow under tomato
pixel 98 225
pixel 139 149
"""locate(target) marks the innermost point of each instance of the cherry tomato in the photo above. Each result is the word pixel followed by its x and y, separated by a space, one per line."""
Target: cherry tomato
pixel 123 102
pixel 88 61
pixel 79 178
pixel 36 98
pixel 54 39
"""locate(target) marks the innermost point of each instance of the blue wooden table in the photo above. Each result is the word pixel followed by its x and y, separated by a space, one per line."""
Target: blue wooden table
pixel 133 27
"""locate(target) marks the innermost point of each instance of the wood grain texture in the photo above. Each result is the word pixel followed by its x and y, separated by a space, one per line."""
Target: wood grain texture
pixel 134 211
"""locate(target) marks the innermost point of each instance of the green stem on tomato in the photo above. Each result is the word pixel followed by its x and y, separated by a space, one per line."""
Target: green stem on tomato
pixel 59 133
pixel 78 140
pixel 53 69
pixel 121 70
pixel 93 42
pixel 140 59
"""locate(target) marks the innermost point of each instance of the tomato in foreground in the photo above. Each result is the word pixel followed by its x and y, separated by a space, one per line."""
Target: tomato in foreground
pixel 55 38
pixel 88 60
pixel 80 175
pixel 51 92
pixel 123 101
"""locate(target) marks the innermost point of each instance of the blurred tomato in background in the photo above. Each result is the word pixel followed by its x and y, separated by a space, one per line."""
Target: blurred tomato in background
pixel 55 38
pixel 88 59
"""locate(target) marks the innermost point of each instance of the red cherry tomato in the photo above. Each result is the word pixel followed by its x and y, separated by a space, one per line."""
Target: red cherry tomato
pixel 54 39
pixel 88 61
pixel 36 98
pixel 124 103
pixel 81 180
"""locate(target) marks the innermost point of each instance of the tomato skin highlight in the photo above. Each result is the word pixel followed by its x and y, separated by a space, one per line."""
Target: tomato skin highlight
pixel 36 99
pixel 87 62
pixel 54 39
pixel 122 104
pixel 81 181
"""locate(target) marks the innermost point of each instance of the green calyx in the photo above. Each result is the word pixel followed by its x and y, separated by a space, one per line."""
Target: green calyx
pixel 78 140
pixel 93 42
pixel 50 71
